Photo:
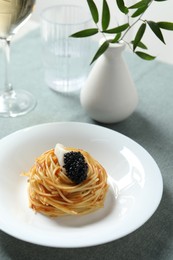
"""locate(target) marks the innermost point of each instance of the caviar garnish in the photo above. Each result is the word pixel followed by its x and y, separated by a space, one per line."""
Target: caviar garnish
pixel 75 166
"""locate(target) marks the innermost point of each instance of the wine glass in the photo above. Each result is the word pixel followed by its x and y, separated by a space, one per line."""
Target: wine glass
pixel 13 14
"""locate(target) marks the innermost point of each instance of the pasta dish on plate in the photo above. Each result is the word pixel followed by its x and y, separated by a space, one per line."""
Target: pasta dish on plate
pixel 66 181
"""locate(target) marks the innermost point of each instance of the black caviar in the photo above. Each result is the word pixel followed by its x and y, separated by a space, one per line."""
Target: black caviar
pixel 75 166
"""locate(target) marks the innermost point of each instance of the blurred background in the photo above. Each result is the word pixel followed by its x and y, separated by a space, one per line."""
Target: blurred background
pixel 158 11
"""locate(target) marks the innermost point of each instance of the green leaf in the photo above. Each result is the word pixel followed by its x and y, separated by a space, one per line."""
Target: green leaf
pixel 116 38
pixel 118 29
pixel 85 33
pixel 93 10
pixel 100 51
pixel 139 11
pixel 139 35
pixel 141 45
pixel 166 25
pixel 122 7
pixel 139 4
pixel 144 55
pixel 156 30
pixel 105 15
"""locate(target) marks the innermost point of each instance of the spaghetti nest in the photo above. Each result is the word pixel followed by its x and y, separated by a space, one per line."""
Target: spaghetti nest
pixel 52 193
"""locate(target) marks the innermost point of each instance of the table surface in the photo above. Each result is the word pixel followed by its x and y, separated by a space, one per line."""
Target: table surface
pixel 151 125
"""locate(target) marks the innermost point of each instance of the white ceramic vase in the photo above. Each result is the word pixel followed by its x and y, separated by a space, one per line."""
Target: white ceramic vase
pixel 109 95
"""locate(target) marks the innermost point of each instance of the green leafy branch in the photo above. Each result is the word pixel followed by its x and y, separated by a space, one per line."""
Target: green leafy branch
pixel 134 14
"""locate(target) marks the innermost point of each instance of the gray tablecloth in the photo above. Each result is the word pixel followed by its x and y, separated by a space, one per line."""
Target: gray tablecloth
pixel 151 125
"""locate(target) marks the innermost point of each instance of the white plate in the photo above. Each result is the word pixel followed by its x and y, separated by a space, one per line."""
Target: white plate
pixel 134 194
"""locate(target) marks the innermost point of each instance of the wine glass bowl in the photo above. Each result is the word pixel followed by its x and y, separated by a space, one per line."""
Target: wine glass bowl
pixel 13 14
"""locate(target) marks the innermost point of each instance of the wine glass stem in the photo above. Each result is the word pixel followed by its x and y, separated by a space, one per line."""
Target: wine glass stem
pixel 6 48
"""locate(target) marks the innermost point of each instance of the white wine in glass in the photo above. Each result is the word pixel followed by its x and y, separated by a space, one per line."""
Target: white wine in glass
pixel 13 14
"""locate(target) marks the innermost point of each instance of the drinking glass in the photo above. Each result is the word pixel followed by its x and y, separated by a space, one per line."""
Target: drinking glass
pixel 66 59
pixel 13 14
